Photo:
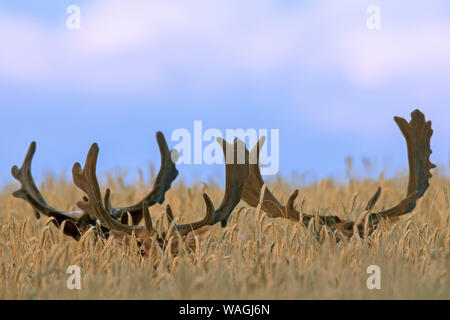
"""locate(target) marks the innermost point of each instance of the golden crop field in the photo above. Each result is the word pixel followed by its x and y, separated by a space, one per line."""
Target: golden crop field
pixel 254 257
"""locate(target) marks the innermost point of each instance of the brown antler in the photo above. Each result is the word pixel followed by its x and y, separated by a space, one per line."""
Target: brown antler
pixel 78 221
pixel 184 229
pixel 166 175
pixel 86 179
pixel 236 174
pixel 256 192
pixel 417 134
pixel 30 193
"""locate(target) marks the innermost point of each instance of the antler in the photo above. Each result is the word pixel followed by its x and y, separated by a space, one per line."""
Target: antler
pixel 30 193
pixel 86 179
pixel 79 221
pixel 93 207
pixel 256 192
pixel 184 229
pixel 236 174
pixel 166 175
pixel 417 134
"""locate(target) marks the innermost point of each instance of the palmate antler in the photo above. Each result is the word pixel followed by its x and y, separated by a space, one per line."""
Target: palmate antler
pixel 236 175
pixel 86 179
pixel 77 222
pixel 166 175
pixel 30 193
pixel 417 133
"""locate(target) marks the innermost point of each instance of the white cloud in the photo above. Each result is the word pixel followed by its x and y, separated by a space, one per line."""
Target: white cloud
pixel 374 59
pixel 143 44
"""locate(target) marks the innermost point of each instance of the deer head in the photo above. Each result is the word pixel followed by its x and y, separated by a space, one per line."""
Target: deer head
pixel 98 208
pixel 114 221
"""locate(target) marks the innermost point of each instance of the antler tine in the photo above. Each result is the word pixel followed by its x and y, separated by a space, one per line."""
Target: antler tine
pixel 370 205
pixel 373 200
pixel 169 214
pixel 236 175
pixel 30 193
pixel 167 172
pixel 290 210
pixel 147 217
pixel 184 229
pixel 166 175
pixel 23 175
pixel 255 182
pixel 86 179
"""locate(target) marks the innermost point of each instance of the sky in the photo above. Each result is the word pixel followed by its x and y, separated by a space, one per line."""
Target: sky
pixel 312 69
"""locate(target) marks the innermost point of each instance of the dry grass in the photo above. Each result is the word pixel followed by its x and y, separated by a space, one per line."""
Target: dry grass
pixel 255 257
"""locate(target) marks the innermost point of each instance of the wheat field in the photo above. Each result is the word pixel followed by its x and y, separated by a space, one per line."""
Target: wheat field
pixel 254 257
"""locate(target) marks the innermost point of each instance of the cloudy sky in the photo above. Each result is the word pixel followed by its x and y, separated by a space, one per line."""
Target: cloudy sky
pixel 312 69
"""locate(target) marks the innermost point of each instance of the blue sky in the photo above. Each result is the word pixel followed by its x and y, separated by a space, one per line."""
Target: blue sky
pixel 309 68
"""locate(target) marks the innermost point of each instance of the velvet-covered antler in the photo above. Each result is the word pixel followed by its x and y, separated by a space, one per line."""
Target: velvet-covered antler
pixel 78 221
pixel 236 173
pixel 30 193
pixel 417 133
